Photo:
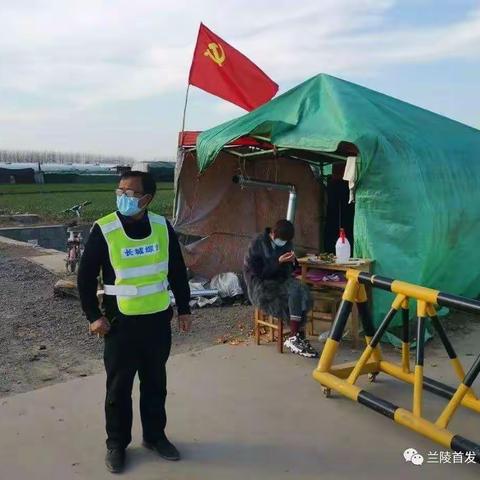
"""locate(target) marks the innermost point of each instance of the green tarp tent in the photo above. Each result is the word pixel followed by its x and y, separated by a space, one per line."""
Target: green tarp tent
pixel 418 189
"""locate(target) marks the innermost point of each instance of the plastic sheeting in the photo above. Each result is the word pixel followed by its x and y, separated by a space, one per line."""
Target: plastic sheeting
pixel 418 187
pixel 227 284
pixel 227 217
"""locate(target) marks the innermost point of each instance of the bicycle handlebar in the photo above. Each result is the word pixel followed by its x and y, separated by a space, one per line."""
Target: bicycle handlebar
pixel 77 208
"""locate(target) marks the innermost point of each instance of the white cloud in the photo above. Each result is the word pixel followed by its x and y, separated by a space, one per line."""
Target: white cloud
pixel 89 53
pixel 30 115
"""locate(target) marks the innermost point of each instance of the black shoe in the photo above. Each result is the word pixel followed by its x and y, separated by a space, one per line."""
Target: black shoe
pixel 309 349
pixel 164 448
pixel 115 460
pixel 298 346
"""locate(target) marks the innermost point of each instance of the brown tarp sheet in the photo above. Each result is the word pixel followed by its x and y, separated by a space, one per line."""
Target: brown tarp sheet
pixel 227 217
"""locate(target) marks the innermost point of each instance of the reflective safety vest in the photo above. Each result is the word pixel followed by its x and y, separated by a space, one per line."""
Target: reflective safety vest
pixel 141 266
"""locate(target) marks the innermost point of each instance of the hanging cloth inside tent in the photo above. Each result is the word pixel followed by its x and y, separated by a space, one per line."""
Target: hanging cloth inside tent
pixel 350 176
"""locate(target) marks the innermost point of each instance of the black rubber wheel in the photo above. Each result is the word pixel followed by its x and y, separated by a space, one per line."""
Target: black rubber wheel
pixel 327 392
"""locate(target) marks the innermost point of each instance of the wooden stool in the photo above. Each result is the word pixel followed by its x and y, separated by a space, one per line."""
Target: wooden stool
pixel 274 324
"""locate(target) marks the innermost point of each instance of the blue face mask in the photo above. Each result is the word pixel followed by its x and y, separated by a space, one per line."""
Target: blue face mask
pixel 279 243
pixel 128 206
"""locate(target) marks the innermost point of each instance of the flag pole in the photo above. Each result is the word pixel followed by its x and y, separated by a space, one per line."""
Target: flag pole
pixel 184 113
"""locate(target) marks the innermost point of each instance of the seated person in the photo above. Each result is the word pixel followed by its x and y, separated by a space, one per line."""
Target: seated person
pixel 268 269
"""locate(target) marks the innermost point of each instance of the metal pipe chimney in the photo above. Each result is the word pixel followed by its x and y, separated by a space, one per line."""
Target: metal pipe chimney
pixel 292 197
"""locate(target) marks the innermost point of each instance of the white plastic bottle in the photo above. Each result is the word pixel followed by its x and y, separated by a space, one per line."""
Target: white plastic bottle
pixel 342 248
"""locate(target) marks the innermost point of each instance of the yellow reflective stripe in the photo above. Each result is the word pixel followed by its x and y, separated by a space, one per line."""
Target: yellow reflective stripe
pixel 120 290
pixel 157 219
pixel 110 227
pixel 154 288
pixel 134 272
pixel 133 291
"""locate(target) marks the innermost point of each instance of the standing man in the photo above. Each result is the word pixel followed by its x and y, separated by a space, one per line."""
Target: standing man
pixel 138 255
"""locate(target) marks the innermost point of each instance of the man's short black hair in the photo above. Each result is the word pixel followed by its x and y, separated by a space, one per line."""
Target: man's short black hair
pixel 284 229
pixel 148 183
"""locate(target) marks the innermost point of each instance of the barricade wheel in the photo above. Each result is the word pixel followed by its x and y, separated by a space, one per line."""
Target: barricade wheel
pixel 327 392
pixel 372 377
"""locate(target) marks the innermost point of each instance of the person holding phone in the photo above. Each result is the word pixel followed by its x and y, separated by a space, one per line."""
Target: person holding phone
pixel 268 272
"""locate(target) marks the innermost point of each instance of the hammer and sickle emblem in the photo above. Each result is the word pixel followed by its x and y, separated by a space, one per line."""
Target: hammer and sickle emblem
pixel 216 53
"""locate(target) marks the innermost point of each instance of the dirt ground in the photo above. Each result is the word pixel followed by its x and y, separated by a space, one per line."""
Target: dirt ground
pixel 44 339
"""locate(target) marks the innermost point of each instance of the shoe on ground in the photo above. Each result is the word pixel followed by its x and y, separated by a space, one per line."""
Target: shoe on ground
pixel 115 460
pixel 309 349
pixel 300 346
pixel 164 448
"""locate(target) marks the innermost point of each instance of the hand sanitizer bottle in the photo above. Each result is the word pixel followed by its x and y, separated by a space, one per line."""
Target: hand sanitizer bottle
pixel 342 248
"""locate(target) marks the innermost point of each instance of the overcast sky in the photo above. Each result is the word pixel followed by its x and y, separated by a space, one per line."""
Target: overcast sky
pixel 110 76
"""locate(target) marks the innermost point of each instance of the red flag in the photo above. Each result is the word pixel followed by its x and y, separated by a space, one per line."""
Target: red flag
pixel 223 71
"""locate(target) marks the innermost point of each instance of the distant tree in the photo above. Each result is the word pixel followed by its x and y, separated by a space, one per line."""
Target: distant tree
pixel 29 156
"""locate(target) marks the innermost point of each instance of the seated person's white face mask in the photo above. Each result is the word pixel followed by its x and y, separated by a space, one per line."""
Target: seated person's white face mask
pixel 279 242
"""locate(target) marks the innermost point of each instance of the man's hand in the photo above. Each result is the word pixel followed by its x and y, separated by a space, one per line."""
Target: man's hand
pixel 184 323
pixel 288 257
pixel 100 327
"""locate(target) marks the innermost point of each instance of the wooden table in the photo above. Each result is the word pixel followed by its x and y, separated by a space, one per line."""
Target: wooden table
pixel 307 265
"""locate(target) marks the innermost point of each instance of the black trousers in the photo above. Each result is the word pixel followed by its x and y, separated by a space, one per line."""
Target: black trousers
pixel 136 344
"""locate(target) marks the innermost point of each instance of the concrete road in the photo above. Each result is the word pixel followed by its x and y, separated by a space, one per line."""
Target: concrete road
pixel 53 262
pixel 236 413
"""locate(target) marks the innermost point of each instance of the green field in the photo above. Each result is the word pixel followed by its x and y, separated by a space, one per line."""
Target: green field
pixel 50 200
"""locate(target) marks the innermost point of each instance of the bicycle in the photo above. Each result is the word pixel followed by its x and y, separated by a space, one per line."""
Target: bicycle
pixel 74 250
pixel 74 241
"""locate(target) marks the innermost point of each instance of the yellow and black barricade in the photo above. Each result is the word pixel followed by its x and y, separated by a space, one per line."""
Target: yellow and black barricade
pixel 342 378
